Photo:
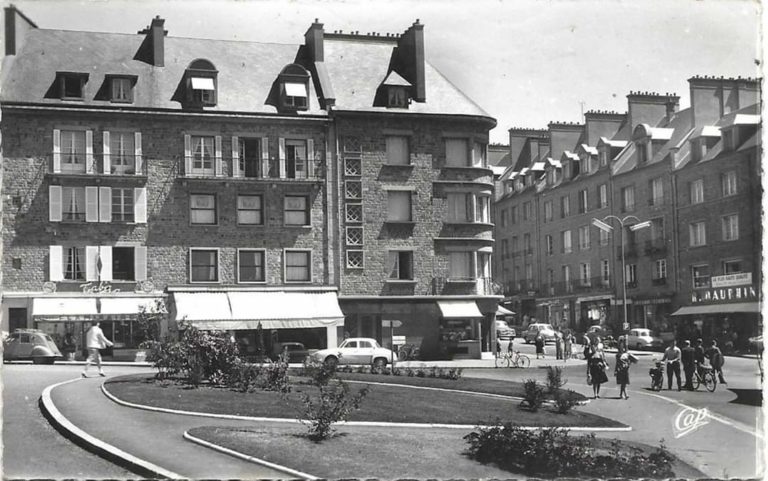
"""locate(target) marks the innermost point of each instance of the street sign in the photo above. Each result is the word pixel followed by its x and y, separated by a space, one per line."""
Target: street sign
pixel 398 340
pixel 388 323
pixel 625 326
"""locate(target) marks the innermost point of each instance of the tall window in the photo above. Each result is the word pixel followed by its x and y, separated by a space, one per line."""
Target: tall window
pixel 73 203
pixel 122 205
pixel 456 153
pixel 603 156
pixel 548 211
pixel 202 154
pixel 698 234
pixel 566 270
pixel 657 230
pixel 603 237
pixel 478 155
pixel 584 237
pixel 295 210
pixel 602 194
pixel 460 265
pixel 202 208
pixel 660 269
pixel 549 245
pixel 605 272
pixel 657 191
pixel 72 151
pixel 121 89
pixel 74 268
pixel 697 191
pixel 514 214
pixel 628 198
pixel 527 244
pixel 401 265
pixel 399 206
pixel 249 157
pixel 397 150
pixel 123 264
pixel 584 271
pixel 204 265
pixel 526 210
pixel 700 276
pixel 728 182
pixel 631 275
pixel 122 152
pixel 297 266
pixel 483 270
pixel 483 209
pixel 583 201
pixel 503 217
pixel 504 248
pixel 459 207
pixel 565 237
pixel 250 265
pixel 249 210
pixel 565 206
pixel 515 246
pixel 528 271
pixel 730 227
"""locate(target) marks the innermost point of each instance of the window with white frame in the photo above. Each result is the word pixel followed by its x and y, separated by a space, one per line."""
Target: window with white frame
pixel 353 213
pixel 74 263
pixel 460 265
pixel 584 237
pixel 697 232
pixel 731 266
pixel 548 211
pixel 605 272
pixel 122 205
pixel 297 266
pixel 603 237
pixel 642 151
pixel 585 273
pixel 456 152
pixel 631 275
pixel 399 206
pixel 354 236
pixel 73 204
pixel 72 151
pixel 122 89
pixel 296 210
pixel 657 191
pixel 566 271
pixel 202 153
pixel 602 194
pixel 583 201
pixel 401 265
pixel 202 209
pixel 628 198
pixel 355 259
pixel 483 209
pixel 296 159
pixel 250 210
pixel 728 182
pixel 603 155
pixel 565 206
pixel 353 167
pixel 204 265
pixel 122 152
pixel 397 150
pixel 549 245
pixel 249 157
pixel 565 237
pixel 700 276
pixel 251 265
pixel 730 227
pixel 697 191
pixel 660 269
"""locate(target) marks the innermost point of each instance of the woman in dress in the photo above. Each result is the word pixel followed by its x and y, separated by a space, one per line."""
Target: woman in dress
pixel 623 360
pixel 597 367
pixel 539 346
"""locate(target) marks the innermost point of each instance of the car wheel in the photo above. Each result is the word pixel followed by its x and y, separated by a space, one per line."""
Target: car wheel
pixel 379 363
pixel 638 346
pixel 331 362
pixel 40 360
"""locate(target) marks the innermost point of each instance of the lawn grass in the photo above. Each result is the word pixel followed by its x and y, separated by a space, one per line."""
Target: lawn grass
pixel 385 403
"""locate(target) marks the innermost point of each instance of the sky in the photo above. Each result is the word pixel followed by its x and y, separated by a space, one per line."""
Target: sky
pixel 525 62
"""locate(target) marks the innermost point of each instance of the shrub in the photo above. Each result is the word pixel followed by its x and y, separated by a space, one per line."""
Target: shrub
pixel 410 372
pixel 396 371
pixel 421 373
pixel 334 403
pixel 551 452
pixel 565 400
pixel 533 396
pixel 555 379
pixel 320 373
pixel 454 373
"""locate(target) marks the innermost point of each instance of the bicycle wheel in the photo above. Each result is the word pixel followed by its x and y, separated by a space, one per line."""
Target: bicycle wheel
pixel 657 383
pixel 501 361
pixel 710 382
pixel 523 361
pixel 696 381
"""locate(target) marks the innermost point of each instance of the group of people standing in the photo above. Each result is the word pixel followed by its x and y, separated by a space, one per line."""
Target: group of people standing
pixel 597 366
pixel 563 345
pixel 692 358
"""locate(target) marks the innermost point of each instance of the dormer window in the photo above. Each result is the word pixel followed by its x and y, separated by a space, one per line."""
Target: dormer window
pixel 71 85
pixel 603 156
pixel 121 89
pixel 394 92
pixel 294 88
pixel 642 152
pixel 397 97
pixel 201 83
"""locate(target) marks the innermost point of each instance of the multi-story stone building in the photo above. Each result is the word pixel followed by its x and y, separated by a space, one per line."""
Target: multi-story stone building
pixel 311 190
pixel 666 178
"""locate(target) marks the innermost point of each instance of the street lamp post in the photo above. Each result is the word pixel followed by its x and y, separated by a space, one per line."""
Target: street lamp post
pixel 604 226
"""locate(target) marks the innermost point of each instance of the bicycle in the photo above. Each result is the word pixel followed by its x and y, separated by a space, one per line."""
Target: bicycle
pixel 512 359
pixel 657 376
pixel 704 375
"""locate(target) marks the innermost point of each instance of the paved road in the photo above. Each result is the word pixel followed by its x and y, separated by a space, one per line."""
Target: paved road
pixel 31 447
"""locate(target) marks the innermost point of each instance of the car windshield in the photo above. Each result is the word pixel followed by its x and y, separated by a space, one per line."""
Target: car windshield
pixel 547 326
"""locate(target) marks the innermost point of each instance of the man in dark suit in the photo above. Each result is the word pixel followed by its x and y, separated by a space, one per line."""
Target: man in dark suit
pixel 688 356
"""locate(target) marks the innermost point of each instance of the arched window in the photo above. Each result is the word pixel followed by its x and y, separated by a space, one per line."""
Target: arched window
pixel 294 88
pixel 201 83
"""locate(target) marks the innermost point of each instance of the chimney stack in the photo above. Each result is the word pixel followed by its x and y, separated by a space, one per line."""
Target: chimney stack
pixel 713 97
pixel 16 25
pixel 313 39
pixel 157 33
pixel 650 108
pixel 410 47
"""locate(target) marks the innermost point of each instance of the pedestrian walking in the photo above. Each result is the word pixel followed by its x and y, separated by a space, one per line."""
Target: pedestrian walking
pixel 688 357
pixel 624 359
pixel 672 357
pixel 568 341
pixel 598 366
pixel 716 359
pixel 95 340
pixel 558 345
pixel 539 341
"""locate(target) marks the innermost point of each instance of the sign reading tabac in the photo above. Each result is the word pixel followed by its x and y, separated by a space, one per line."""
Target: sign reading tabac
pixel 730 280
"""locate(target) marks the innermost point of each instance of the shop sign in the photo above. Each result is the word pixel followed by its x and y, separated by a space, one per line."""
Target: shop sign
pixel 730 294
pixel 730 280
pixel 100 288
pixel 398 340
pixel 655 300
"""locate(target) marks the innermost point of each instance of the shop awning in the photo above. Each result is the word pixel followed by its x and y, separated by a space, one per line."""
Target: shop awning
pixel 503 311
pixel 753 307
pixel 64 308
pixel 125 305
pixel 459 309
pixel 246 310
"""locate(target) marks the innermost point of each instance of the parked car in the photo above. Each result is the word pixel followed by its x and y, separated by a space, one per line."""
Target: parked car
pixel 296 351
pixel 643 339
pixel 537 328
pixel 355 350
pixel 30 344
pixel 603 332
pixel 503 331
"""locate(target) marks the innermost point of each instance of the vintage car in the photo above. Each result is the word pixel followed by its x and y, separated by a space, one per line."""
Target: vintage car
pixel 546 330
pixel 30 345
pixel 503 331
pixel 355 350
pixel 641 338
pixel 295 351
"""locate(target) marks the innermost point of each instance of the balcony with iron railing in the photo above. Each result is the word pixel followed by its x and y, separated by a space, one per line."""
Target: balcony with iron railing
pixel 82 165
pixel 272 170
pixel 592 284
pixel 478 286
pixel 522 287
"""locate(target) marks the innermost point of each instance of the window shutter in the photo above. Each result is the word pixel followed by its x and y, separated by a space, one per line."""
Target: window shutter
pixel 105 256
pixel 236 157
pixel 105 204
pixel 89 168
pixel 393 267
pixel 139 160
pixel 91 204
pixel 107 156
pixel 281 146
pixel 140 205
pixel 217 160
pixel 54 203
pixel 265 157
pixel 310 158
pixel 56 151
pixel 187 155
pixel 55 268
pixel 140 263
pixel 91 263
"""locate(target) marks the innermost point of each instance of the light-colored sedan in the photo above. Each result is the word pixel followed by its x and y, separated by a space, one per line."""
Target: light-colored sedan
pixel 355 350
pixel 30 344
pixel 643 339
